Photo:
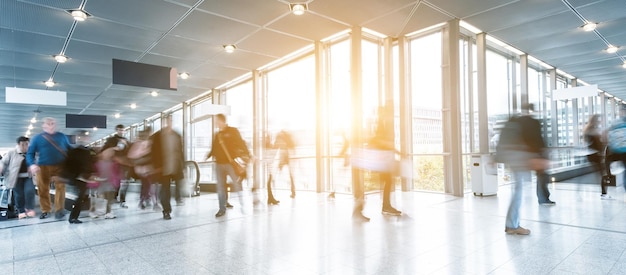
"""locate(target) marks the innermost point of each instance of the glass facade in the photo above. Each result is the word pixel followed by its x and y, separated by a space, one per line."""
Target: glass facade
pixel 311 96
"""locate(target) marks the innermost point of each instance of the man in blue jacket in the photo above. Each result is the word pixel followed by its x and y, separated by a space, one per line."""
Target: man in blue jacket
pixel 45 156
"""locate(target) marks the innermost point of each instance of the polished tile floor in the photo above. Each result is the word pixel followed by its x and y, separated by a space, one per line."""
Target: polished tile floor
pixel 438 234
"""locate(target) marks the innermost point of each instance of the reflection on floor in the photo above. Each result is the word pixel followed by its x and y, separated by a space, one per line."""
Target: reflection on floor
pixel 438 234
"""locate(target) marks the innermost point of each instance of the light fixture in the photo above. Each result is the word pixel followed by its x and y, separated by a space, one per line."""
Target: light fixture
pixel 611 49
pixel 28 132
pixel 184 75
pixel 117 115
pixel 95 128
pixel 298 8
pixel 30 127
pixel 229 48
pixel 86 133
pixel 60 58
pixel 154 93
pixel 33 120
pixel 79 15
pixel 49 83
pixel 133 106
pixel 589 26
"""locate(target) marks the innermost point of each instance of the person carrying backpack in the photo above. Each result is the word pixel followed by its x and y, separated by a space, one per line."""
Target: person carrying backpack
pixel 522 148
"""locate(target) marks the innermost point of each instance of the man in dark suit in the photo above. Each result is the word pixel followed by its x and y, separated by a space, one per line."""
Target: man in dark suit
pixel 168 162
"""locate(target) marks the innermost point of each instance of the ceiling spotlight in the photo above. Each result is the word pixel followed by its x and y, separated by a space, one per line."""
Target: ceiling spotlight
pixel 611 49
pixel 33 120
pixel 86 133
pixel 624 65
pixel 184 75
pixel 79 15
pixel 154 93
pixel 590 26
pixel 60 58
pixel 117 115
pixel 30 127
pixel 229 48
pixel 49 83
pixel 298 8
pixel 28 132
pixel 95 128
pixel 133 106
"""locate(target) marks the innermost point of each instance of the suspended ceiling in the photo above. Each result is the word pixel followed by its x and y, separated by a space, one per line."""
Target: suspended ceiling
pixel 189 34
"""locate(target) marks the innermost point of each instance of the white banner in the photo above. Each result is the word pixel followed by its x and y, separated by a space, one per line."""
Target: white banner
pixel 34 96
pixel 575 92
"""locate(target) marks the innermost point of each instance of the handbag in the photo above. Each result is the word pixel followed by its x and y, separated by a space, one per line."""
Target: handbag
pixel 609 180
pixel 239 164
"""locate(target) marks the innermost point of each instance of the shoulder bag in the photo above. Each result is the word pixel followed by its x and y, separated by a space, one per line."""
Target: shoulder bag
pixel 240 166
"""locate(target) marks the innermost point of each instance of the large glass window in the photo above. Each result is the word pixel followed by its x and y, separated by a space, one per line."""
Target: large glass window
pixel 239 98
pixel 427 118
pixel 291 107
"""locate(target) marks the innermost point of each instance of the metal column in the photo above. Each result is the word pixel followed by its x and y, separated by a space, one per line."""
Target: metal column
pixel 453 163
pixel 483 112
pixel 405 105
pixel 357 104
pixel 321 110
pixel 523 64
pixel 575 118
pixel 554 116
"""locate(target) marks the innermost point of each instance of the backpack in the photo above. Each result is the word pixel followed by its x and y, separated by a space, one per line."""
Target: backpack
pixel 510 141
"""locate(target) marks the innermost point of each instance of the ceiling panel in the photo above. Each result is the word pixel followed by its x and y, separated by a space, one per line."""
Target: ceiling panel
pixel 301 26
pixel 425 16
pixel 91 52
pixel 147 14
pixel 242 59
pixel 38 19
pixel 357 12
pixel 517 13
pixel 465 8
pixel 26 42
pixel 183 48
pixel 111 33
pixel 58 4
pixel 216 71
pixel 259 12
pixel 604 11
pixel 212 29
pixel 272 43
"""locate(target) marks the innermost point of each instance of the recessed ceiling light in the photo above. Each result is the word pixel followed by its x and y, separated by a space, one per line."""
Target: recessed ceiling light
pixel 184 75
pixel 298 8
pixel 86 133
pixel 49 83
pixel 79 15
pixel 229 48
pixel 133 106
pixel 95 128
pixel 590 26
pixel 30 127
pixel 33 120
pixel 154 93
pixel 60 58
pixel 611 49
pixel 28 132
pixel 117 115
pixel 624 65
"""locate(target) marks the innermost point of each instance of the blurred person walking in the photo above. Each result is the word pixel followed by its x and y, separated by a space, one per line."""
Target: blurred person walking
pixel 168 161
pixel 521 147
pixel 110 173
pixel 46 154
pixel 227 146
pixel 284 145
pixel 79 170
pixel 17 177
pixel 616 137
pixel 593 136
pixel 122 142
pixel 141 157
